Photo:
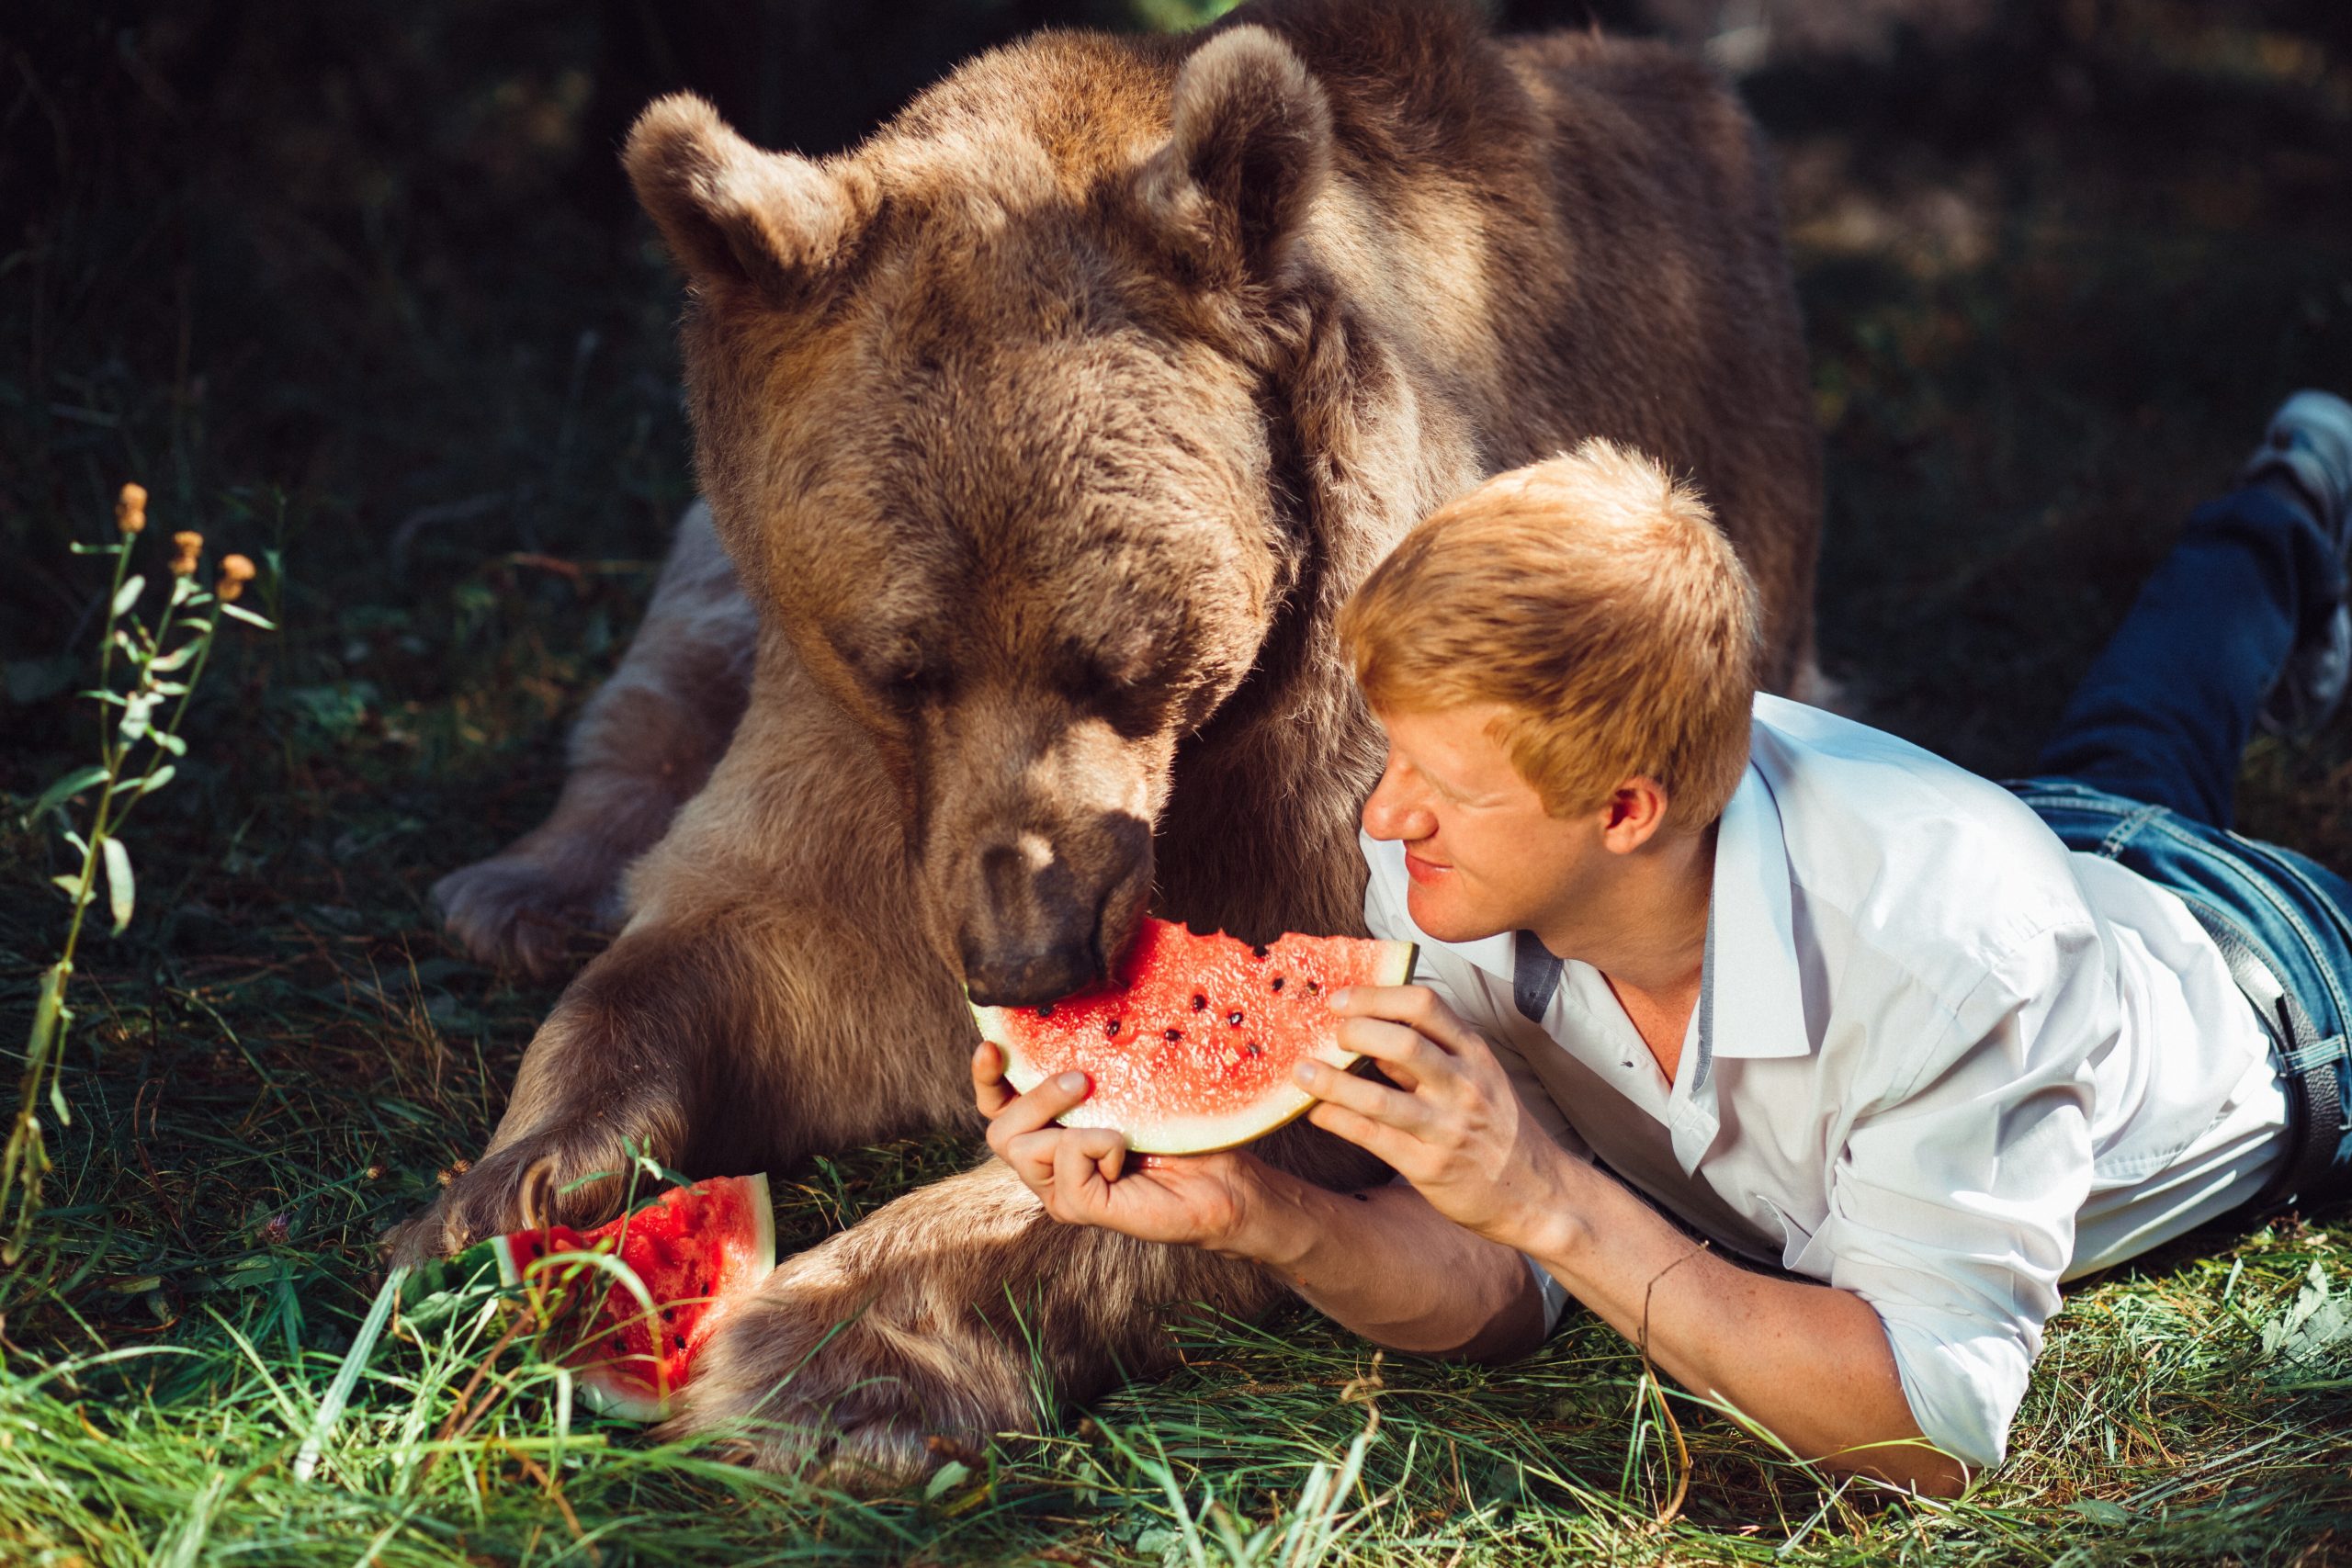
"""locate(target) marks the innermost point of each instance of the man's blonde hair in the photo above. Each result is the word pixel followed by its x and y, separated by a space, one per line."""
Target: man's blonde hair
pixel 1593 597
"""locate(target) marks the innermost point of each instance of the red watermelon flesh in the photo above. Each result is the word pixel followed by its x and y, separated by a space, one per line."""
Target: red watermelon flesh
pixel 698 1250
pixel 1192 1048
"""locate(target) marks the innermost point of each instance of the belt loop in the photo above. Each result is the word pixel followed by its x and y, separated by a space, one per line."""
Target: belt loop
pixel 2124 832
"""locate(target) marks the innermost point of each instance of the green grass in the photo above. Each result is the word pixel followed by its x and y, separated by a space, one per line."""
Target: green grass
pixel 332 292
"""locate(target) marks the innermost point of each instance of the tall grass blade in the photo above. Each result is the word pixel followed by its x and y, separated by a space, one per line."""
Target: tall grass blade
pixel 346 1377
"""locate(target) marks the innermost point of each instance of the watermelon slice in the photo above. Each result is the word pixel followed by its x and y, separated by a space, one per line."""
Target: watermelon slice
pixel 696 1251
pixel 1192 1049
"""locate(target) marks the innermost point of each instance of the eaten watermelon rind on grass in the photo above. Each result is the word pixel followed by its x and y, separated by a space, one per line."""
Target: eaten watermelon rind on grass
pixel 692 1253
pixel 1190 1049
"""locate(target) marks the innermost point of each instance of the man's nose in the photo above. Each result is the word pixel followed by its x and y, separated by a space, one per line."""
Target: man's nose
pixel 1392 811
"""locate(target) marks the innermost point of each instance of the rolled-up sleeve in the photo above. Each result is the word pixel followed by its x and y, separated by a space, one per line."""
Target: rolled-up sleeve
pixel 1953 1201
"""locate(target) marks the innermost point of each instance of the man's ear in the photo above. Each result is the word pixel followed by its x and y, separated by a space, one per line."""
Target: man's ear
pixel 1250 145
pixel 1634 815
pixel 734 214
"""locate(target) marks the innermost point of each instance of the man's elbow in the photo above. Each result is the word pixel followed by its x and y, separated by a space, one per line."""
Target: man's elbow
pixel 1510 1335
pixel 1949 1482
pixel 1912 1465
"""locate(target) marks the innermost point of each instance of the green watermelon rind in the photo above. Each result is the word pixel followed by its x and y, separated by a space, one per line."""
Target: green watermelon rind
pixel 624 1395
pixel 1198 1135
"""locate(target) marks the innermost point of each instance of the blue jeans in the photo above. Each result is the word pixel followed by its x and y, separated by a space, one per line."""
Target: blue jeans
pixel 2143 769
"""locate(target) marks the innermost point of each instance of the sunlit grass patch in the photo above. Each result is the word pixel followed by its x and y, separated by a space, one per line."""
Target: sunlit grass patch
pixel 1279 1442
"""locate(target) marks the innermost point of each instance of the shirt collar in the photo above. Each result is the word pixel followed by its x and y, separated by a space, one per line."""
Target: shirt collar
pixel 1758 994
pixel 1754 980
pixel 1490 954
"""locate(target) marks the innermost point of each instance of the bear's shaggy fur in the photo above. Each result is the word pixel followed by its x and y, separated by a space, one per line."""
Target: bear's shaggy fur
pixel 1043 434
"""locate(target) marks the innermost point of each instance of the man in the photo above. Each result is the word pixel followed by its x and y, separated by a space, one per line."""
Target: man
pixel 1701 962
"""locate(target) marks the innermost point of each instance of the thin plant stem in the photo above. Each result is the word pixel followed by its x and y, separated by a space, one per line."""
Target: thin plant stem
pixel 25 1160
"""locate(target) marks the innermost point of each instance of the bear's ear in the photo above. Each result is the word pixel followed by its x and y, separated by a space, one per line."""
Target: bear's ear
pixel 732 213
pixel 1250 145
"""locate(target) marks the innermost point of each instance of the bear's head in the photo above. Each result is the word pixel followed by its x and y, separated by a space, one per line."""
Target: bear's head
pixel 989 413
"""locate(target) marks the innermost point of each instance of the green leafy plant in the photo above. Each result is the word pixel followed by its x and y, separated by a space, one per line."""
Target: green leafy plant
pixel 158 668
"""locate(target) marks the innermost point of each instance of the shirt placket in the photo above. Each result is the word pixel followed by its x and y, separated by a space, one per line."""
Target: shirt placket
pixel 1582 1011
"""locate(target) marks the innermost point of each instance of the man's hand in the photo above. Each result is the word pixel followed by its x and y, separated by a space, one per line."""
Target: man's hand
pixel 1382 1262
pixel 1451 1126
pixel 1085 1176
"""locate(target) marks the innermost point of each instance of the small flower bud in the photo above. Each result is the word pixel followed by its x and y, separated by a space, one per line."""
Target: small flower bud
pixel 189 545
pixel 130 509
pixel 235 573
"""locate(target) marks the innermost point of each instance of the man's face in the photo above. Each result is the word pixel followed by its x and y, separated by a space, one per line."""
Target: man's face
pixel 1482 855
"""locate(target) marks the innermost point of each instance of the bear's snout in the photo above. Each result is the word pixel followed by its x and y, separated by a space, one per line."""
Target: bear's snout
pixel 1044 916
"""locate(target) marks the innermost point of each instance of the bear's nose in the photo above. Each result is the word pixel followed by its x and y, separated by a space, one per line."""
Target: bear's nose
pixel 1029 926
pixel 1029 980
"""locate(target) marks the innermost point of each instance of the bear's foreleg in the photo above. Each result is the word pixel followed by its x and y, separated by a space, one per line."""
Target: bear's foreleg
pixel 603 1081
pixel 735 1036
pixel 771 995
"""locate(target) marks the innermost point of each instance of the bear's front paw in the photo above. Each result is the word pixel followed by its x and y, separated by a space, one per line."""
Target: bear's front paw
pixel 450 1223
pixel 570 1179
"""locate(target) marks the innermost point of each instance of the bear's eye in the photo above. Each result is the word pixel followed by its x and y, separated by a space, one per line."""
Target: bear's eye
pixel 1090 683
pixel 1127 694
pixel 1113 671
pixel 900 676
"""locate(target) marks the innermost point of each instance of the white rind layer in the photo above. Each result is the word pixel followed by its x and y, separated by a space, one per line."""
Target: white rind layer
pixel 601 1390
pixel 1194 1135
pixel 763 1221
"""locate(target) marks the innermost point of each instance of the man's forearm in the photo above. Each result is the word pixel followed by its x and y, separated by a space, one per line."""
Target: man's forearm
pixel 1387 1265
pixel 1809 1363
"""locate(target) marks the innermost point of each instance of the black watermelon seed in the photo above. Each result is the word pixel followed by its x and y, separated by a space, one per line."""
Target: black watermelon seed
pixel 1047 1011
pixel 1234 1018
pixel 1260 952
pixel 1199 1001
pixel 1314 985
pixel 1175 1034
pixel 1251 1047
pixel 1278 982
pixel 1111 1030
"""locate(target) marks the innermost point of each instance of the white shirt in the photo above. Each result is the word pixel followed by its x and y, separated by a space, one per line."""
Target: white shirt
pixel 1937 1061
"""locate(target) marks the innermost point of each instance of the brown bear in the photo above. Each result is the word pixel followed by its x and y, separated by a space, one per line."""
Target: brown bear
pixel 1041 437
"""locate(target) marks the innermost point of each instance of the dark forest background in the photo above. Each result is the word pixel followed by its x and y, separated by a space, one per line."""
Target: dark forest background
pixel 362 284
